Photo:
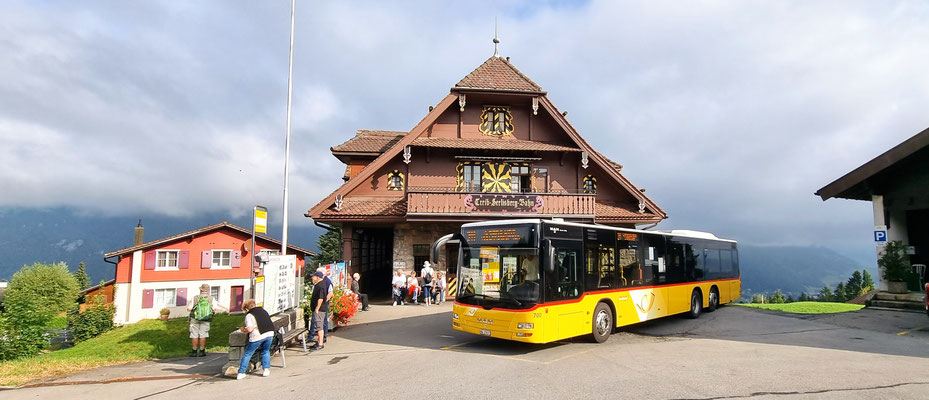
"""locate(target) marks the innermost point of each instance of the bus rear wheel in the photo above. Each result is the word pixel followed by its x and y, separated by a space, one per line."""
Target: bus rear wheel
pixel 696 305
pixel 714 300
pixel 602 323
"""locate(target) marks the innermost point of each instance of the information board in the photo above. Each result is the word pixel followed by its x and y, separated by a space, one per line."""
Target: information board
pixel 280 273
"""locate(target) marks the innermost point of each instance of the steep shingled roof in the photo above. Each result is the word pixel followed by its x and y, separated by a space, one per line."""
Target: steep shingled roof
pixel 369 141
pixel 210 228
pixel 498 74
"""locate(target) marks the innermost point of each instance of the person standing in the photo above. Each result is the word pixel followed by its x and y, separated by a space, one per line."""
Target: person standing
pixel 440 286
pixel 357 290
pixel 201 313
pixel 398 283
pixel 260 331
pixel 329 293
pixel 320 309
pixel 428 276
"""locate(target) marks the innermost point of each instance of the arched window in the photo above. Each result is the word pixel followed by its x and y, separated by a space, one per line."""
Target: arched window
pixel 395 180
pixel 590 184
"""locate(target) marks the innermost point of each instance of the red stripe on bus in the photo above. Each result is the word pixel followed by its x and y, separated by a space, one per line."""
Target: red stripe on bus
pixel 600 292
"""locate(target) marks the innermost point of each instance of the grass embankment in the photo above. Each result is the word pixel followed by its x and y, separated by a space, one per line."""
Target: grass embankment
pixel 145 340
pixel 807 307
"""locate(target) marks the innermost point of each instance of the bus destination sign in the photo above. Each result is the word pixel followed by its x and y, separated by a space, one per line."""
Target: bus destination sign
pixel 497 235
pixel 629 237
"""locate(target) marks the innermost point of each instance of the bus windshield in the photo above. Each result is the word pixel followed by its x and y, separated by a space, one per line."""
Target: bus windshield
pixel 499 274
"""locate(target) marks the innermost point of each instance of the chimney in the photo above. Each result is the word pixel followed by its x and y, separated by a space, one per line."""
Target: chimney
pixel 139 232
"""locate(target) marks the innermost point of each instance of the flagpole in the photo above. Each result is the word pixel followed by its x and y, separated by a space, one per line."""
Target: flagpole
pixel 290 85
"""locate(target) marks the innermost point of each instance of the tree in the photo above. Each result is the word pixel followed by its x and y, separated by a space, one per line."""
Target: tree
pixel 803 297
pixel 778 298
pixel 41 288
pixel 83 281
pixel 825 294
pixel 790 299
pixel 330 248
pixel 854 286
pixel 757 299
pixel 867 284
pixel 894 264
pixel 839 296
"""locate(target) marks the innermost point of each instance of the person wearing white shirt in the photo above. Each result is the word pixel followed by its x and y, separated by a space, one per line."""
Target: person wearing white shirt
pixel 398 283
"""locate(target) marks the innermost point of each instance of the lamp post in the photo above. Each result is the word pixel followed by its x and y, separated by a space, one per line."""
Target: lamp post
pixel 290 76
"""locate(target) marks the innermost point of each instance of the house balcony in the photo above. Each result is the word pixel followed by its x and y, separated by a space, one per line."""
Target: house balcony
pixel 439 201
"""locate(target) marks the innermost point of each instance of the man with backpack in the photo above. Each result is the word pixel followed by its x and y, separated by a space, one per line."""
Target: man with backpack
pixel 201 313
pixel 428 274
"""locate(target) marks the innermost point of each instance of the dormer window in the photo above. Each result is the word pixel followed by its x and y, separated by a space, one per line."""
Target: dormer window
pixel 395 180
pixel 590 184
pixel 496 121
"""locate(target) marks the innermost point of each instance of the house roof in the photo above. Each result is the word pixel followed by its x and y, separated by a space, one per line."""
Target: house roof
pixel 497 74
pixel 859 183
pixel 365 207
pixel 369 141
pixel 606 211
pixel 221 225
pixel 490 144
pixel 92 288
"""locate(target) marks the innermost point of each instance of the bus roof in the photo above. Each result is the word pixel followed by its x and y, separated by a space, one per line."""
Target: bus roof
pixel 676 232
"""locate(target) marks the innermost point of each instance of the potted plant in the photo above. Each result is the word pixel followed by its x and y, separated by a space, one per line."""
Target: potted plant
pixel 894 266
pixel 165 313
pixel 343 306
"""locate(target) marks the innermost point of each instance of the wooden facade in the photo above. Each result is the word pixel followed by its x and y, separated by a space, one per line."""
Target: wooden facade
pixel 495 147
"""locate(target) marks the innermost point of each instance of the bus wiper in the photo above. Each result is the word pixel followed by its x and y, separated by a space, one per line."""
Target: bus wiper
pixel 511 297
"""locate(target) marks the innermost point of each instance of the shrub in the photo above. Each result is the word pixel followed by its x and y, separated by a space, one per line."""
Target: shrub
pixel 41 288
pixel 165 311
pixel 894 262
pixel 22 332
pixel 93 321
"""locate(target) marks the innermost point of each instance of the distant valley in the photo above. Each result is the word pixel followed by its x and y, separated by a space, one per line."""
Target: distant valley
pixel 27 236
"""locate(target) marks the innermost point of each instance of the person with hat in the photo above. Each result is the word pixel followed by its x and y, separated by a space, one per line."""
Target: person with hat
pixel 428 275
pixel 200 317
pixel 320 306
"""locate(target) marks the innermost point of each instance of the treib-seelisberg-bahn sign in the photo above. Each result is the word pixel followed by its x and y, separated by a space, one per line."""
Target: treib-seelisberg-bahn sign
pixel 516 203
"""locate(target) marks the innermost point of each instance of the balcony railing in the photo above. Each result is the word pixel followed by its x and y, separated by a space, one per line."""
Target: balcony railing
pixel 446 202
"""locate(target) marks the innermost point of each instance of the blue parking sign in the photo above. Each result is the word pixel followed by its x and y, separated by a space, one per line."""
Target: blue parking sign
pixel 880 236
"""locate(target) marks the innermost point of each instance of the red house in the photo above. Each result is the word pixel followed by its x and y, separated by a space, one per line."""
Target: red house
pixel 168 272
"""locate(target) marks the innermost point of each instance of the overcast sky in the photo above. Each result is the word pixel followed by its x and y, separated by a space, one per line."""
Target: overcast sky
pixel 730 114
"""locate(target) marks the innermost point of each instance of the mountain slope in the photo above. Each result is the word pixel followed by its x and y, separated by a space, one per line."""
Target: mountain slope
pixel 28 236
pixel 793 269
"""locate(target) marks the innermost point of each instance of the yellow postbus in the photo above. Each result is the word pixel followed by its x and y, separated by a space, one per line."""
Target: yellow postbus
pixel 540 281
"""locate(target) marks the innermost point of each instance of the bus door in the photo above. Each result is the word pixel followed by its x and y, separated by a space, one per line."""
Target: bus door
pixel 564 281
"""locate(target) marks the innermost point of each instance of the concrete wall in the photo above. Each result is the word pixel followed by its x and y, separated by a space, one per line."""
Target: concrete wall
pixel 906 192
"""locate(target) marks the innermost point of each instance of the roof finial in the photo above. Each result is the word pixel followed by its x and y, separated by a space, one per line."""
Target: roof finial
pixel 496 40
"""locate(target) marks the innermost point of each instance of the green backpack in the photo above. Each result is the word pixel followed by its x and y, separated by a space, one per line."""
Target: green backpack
pixel 202 311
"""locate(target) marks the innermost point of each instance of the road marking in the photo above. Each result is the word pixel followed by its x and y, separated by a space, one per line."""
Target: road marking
pixel 901 333
pixel 904 332
pixel 570 355
pixel 492 355
pixel 454 346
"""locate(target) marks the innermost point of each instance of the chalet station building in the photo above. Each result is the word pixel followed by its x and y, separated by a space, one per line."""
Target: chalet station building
pixel 495 147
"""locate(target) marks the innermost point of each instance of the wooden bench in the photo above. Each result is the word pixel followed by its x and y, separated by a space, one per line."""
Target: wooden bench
pixel 285 323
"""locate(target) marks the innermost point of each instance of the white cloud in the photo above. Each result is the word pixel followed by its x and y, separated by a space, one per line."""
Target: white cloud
pixel 731 114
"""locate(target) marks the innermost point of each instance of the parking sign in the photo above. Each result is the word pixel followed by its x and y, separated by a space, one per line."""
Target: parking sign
pixel 880 234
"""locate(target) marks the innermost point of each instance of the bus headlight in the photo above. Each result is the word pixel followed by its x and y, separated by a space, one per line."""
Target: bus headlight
pixel 525 325
pixel 455 316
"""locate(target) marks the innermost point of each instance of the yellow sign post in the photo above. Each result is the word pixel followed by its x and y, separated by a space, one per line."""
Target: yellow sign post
pixel 261 220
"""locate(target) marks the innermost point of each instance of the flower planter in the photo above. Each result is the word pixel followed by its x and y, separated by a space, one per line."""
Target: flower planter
pixel 897 287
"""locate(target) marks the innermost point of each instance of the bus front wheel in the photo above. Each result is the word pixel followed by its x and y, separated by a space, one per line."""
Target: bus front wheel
pixel 602 323
pixel 696 305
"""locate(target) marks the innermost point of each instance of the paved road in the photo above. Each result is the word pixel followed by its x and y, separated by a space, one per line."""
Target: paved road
pixel 731 353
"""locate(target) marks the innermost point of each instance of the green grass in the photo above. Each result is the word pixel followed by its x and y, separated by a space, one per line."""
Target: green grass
pixel 145 340
pixel 807 307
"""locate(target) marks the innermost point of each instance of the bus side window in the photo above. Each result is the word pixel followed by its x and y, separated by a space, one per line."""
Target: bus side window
pixel 567 279
pixel 712 263
pixel 676 267
pixel 629 271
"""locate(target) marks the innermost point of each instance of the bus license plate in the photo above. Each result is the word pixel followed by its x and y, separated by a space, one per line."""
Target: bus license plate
pixel 485 332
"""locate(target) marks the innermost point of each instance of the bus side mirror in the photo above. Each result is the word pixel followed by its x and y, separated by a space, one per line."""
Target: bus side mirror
pixel 550 264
